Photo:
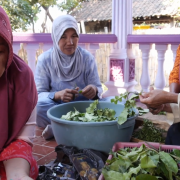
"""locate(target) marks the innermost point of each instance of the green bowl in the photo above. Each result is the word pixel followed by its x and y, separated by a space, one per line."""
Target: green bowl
pixel 99 136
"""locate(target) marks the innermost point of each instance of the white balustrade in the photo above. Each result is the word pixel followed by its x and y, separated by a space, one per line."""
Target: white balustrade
pixel 174 49
pixel 36 44
pixel 166 47
pixel 16 47
pixel 145 78
pixel 31 49
pixel 160 77
pixel 47 46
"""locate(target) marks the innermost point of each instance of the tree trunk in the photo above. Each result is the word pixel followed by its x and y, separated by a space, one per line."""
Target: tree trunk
pixel 44 23
pixel 33 26
pixel 47 10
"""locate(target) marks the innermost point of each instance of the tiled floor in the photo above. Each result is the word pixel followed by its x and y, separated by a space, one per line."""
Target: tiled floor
pixel 43 151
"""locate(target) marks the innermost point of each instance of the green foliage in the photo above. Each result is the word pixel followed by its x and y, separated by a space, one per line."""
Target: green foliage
pixel 128 111
pixel 92 114
pixel 130 105
pixel 148 132
pixel 45 3
pixel 69 5
pixel 142 163
pixel 23 13
pixel 20 12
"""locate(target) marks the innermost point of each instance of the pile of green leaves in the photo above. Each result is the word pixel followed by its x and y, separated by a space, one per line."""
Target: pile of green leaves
pixel 92 114
pixel 148 132
pixel 130 105
pixel 142 163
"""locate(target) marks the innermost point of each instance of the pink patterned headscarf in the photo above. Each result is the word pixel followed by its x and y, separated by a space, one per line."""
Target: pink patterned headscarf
pixel 18 95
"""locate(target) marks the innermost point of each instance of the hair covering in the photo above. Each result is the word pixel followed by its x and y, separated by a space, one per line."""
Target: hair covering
pixel 67 67
pixel 18 95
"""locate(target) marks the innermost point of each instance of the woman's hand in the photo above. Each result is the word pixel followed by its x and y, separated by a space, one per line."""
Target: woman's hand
pixel 156 98
pixel 89 91
pixel 156 110
pixel 66 95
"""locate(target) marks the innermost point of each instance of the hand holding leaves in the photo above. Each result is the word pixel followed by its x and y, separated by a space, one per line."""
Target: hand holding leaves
pixel 130 105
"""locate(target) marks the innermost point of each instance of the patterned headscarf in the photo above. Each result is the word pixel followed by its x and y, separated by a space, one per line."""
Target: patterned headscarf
pixel 67 67
pixel 18 95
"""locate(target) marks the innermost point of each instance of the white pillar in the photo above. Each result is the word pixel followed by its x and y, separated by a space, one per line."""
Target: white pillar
pixel 16 47
pixel 83 27
pixel 92 48
pixel 145 78
pixel 174 49
pixel 79 27
pixel 160 77
pixel 120 72
pixel 31 49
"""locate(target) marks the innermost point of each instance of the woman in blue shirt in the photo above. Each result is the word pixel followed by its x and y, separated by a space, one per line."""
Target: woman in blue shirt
pixel 63 71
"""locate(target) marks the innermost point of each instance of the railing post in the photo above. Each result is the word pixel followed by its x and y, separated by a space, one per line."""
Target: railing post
pixel 174 49
pixel 92 48
pixel 120 71
pixel 16 47
pixel 31 55
pixel 160 77
pixel 47 46
pixel 145 78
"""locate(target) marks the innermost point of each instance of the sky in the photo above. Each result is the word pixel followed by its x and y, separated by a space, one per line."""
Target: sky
pixel 55 12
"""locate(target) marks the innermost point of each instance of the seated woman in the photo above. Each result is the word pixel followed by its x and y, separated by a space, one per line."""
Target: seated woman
pixel 18 97
pixel 63 71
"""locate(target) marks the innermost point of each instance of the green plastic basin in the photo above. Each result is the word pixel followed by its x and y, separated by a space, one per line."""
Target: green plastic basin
pixel 99 136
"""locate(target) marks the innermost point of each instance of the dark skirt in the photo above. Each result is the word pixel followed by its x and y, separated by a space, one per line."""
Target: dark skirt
pixel 173 135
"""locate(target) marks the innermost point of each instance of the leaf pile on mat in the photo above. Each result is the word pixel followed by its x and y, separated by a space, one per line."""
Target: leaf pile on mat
pixel 142 163
pixel 130 105
pixel 92 114
pixel 148 132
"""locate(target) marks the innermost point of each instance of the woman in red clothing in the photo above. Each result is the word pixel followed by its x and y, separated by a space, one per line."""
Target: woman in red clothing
pixel 18 98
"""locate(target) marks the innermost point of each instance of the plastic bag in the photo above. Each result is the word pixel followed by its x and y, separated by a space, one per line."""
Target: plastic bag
pixel 73 164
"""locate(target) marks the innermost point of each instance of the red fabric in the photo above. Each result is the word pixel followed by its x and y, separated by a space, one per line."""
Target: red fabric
pixel 18 149
pixel 18 95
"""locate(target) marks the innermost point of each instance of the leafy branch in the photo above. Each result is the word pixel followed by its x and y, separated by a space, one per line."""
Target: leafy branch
pixel 129 106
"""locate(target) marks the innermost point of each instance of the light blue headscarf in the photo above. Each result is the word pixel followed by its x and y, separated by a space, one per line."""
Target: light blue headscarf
pixel 67 67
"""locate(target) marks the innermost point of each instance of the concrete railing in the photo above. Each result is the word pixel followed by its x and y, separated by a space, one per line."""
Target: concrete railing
pixel 34 44
pixel 162 45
